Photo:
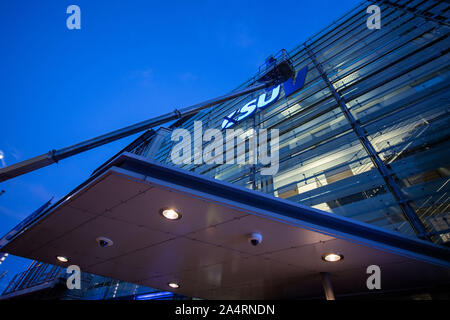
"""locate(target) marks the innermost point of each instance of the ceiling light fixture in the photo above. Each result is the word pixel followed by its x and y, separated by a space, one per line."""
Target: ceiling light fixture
pixel 332 257
pixel 170 214
pixel 173 285
pixel 62 259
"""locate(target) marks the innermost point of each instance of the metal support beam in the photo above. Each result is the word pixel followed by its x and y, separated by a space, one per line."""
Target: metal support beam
pixel 327 287
pixel 387 174
pixel 416 12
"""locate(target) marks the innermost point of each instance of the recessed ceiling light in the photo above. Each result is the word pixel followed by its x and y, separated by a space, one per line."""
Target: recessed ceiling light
pixel 332 257
pixel 173 285
pixel 170 214
pixel 62 259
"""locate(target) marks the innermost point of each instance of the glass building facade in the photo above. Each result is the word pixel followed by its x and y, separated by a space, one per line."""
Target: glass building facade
pixel 366 137
pixel 43 281
pixel 369 95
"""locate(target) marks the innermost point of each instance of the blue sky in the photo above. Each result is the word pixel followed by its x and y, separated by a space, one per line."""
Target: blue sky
pixel 130 61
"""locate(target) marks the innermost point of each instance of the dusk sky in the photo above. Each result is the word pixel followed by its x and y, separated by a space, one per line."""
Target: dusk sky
pixel 130 61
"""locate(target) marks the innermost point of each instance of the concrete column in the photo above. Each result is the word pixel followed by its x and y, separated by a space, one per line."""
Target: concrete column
pixel 326 283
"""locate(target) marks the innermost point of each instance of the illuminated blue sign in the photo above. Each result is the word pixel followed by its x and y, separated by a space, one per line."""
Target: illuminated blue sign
pixel 265 99
pixel 155 295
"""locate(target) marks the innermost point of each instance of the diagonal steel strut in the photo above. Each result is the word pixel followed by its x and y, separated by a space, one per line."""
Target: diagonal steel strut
pixel 54 156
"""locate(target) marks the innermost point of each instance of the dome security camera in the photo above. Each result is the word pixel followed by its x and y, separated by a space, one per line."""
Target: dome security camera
pixel 255 238
pixel 104 242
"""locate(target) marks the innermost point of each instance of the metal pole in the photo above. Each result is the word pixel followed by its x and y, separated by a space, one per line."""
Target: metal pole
pixel 54 156
pixel 387 174
pixel 327 287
